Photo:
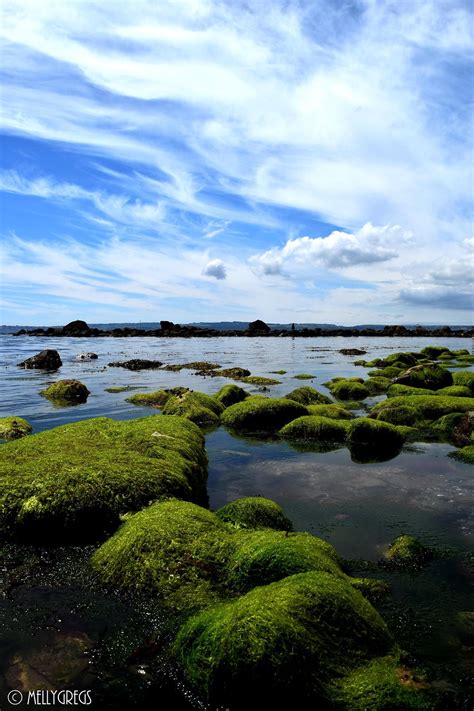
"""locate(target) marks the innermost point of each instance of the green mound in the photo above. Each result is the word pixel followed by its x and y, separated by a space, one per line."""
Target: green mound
pixel 70 392
pixel 258 380
pixel 263 557
pixel 122 389
pixel 159 398
pixel 335 412
pixel 254 512
pixel 281 642
pixel 304 376
pixel 398 390
pixel 456 390
pixel 401 415
pixel 307 395
pixel 465 378
pixel 279 372
pixel 202 366
pixel 73 482
pixel 465 454
pixel 389 372
pixel 431 376
pixel 428 407
pixel 346 389
pixel 446 424
pixel 402 359
pixel 230 394
pixel 374 434
pixel 200 408
pixel 14 428
pixel 314 427
pixel 174 549
pixel 233 373
pixel 434 352
pixel 407 552
pixel 261 414
pixel 377 385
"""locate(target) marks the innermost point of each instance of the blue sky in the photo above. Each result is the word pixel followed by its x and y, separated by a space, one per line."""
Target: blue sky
pixel 199 160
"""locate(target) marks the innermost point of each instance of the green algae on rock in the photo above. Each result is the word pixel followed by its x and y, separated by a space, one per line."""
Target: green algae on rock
pixel 304 376
pixel 159 398
pixel 407 552
pixel 374 434
pixel 430 375
pixel 315 428
pixel 466 378
pixel 400 415
pixel 262 414
pixel 71 392
pixel 232 373
pixel 348 389
pixel 73 482
pixel 259 380
pixel 306 395
pixel 122 389
pixel 14 428
pixel 465 454
pixel 173 549
pixel 398 390
pixel 281 642
pixel 456 390
pixel 200 408
pixel 389 372
pixel 434 352
pixel 377 385
pixel 428 407
pixel 254 512
pixel 335 412
pixel 230 394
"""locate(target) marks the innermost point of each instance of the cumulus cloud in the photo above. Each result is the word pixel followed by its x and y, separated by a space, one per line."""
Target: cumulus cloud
pixel 448 286
pixel 215 268
pixel 337 250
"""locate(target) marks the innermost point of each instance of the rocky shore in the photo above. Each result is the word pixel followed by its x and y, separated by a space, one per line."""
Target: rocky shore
pixel 258 328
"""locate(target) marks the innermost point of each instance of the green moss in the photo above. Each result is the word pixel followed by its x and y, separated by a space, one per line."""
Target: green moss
pixel 431 376
pixel 73 482
pixel 464 378
pixel 122 389
pixel 230 394
pixel 400 360
pixel 401 415
pixel 285 640
pixel 173 367
pixel 377 385
pixel 374 434
pixel 407 552
pixel 202 366
pixel 279 372
pixel 304 376
pixel 335 412
pixel 465 454
pixel 67 392
pixel 200 408
pixel 348 390
pixel 389 372
pixel 261 414
pixel 446 424
pixel 383 685
pixel 428 407
pixel 14 428
pixel 254 512
pixel 456 390
pixel 159 398
pixel 233 373
pixel 315 428
pixel 398 390
pixel 172 549
pixel 371 588
pixel 258 380
pixel 461 352
pixel 263 557
pixel 434 352
pixel 307 395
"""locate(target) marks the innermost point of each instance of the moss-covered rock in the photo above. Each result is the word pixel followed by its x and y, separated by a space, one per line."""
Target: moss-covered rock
pixel 401 415
pixel 263 557
pixel 407 552
pixel 374 434
pixel 203 366
pixel 464 378
pixel 279 372
pixel 434 352
pixel 73 482
pixel 346 389
pixel 304 376
pixel 233 373
pixel 335 412
pixel 259 414
pixel 282 643
pixel 431 376
pixel 173 549
pixel 402 359
pixel 428 407
pixel 159 398
pixel 307 395
pixel 389 372
pixel 254 512
pixel 14 428
pixel 377 385
pixel 456 390
pixel 315 428
pixel 200 408
pixel 71 392
pixel 121 388
pixel 371 588
pixel 465 454
pixel 259 380
pixel 230 394
pixel 398 390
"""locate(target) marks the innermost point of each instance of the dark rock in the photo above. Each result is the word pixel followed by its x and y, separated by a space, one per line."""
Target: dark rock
pixel 45 360
pixel 86 356
pixel 352 351
pixel 76 328
pixel 137 364
pixel 430 376
pixel 258 327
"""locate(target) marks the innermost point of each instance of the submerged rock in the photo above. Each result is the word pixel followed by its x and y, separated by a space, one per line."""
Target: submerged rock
pixel 73 482
pixel 352 351
pixel 407 552
pixel 14 428
pixel 70 392
pixel 137 364
pixel 86 356
pixel 45 360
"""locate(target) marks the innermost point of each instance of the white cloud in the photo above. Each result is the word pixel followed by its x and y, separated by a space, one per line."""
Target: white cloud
pixel 215 268
pixel 338 250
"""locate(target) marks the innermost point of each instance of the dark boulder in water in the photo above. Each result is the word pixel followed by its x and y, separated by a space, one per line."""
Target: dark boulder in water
pixel 352 351
pixel 76 328
pixel 258 326
pixel 45 360
pixel 137 364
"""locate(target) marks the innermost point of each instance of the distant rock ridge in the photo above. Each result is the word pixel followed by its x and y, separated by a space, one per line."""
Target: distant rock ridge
pixel 80 329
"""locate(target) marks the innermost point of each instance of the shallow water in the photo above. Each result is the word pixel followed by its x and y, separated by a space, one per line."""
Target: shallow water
pixel 359 508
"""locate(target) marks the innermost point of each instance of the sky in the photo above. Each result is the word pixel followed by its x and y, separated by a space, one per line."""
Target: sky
pixel 206 160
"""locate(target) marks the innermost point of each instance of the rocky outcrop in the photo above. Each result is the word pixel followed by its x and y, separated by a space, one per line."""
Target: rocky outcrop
pixel 258 328
pixel 45 360
pixel 137 364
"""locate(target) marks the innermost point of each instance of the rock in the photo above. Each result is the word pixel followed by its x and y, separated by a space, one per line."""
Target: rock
pixel 369 438
pixel 67 391
pixel 86 356
pixel 76 328
pixel 307 395
pixel 72 483
pixel 137 364
pixel 200 408
pixel 433 377
pixel 407 552
pixel 314 428
pixel 159 398
pixel 230 394
pixel 347 389
pixel 258 414
pixel 14 428
pixel 255 512
pixel 233 373
pixel 45 360
pixel 352 351
pixel 256 327
pixel 464 378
